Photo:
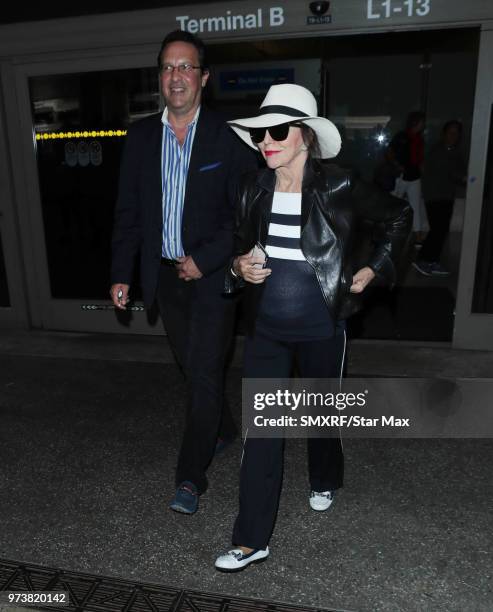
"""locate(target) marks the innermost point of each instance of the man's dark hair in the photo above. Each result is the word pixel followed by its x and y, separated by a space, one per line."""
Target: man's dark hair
pixel 414 118
pixel 186 37
pixel 452 123
pixel 310 139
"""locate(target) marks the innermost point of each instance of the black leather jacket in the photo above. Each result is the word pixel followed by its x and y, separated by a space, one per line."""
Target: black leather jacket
pixel 332 201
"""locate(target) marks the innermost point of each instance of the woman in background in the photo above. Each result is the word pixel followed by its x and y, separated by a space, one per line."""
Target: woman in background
pixel 407 150
pixel 444 171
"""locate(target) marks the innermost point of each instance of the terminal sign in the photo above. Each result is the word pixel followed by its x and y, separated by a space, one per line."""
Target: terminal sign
pixel 384 9
pixel 229 22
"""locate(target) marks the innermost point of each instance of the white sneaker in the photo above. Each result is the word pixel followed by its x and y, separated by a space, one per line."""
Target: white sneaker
pixel 321 500
pixel 236 560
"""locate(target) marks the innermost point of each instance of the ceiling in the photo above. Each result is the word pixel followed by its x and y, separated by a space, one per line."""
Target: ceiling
pixel 12 12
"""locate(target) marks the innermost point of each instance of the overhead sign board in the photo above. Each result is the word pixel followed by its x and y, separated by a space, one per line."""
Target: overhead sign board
pixel 244 18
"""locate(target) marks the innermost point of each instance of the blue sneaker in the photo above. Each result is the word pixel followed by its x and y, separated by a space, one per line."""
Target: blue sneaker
pixel 423 267
pixel 186 499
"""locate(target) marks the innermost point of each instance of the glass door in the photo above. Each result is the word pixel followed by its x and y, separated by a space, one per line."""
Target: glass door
pixel 368 84
pixel 400 74
pixel 77 120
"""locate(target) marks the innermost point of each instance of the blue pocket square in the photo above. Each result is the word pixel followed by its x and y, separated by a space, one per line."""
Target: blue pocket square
pixel 210 166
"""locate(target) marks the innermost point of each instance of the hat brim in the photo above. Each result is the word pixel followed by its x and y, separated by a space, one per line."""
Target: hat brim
pixel 327 133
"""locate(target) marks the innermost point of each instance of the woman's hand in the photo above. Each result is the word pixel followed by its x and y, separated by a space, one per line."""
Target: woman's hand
pixel 361 279
pixel 244 266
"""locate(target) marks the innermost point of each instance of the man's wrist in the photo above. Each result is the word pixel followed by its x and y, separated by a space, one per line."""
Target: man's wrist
pixel 234 269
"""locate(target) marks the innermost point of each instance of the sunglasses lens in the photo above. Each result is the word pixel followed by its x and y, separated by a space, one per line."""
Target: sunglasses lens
pixel 257 134
pixel 279 132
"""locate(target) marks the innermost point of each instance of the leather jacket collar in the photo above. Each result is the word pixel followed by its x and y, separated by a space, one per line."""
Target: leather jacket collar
pixel 266 178
pixel 312 181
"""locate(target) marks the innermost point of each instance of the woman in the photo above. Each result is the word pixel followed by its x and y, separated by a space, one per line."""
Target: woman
pixel 302 213
pixel 444 171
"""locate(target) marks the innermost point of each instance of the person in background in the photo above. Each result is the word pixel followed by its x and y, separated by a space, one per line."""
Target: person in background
pixel 407 149
pixel 175 206
pixel 444 171
pixel 387 171
pixel 302 213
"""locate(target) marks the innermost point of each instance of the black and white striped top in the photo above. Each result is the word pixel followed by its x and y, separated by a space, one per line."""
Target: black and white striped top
pixel 292 307
pixel 283 240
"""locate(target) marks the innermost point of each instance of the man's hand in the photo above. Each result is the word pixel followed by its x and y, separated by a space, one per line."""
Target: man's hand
pixel 187 270
pixel 119 295
pixel 244 265
pixel 361 279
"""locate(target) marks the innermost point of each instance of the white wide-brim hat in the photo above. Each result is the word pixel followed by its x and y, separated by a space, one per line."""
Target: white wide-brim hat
pixel 287 102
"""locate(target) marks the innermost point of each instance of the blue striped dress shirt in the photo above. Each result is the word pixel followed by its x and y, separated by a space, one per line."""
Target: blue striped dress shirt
pixel 175 160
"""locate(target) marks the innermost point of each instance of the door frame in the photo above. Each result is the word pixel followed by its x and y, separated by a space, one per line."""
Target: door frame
pixel 474 330
pixel 17 314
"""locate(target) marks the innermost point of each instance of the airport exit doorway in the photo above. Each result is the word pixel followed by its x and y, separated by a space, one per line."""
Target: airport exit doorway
pixel 366 83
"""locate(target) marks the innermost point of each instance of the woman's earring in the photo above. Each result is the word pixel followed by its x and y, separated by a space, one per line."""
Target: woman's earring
pixel 304 148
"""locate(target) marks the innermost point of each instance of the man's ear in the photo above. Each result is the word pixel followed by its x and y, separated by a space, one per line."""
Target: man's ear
pixel 205 78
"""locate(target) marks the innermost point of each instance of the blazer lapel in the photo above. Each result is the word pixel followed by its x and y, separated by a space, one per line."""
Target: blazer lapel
pixel 201 144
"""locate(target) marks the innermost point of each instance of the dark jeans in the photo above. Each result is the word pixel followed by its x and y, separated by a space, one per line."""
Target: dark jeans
pixel 439 214
pixel 199 328
pixel 262 465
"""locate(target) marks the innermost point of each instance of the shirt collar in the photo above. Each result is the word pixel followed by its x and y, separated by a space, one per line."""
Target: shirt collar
pixel 165 122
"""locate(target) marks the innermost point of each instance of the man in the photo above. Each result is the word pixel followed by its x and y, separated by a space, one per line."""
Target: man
pixel 407 149
pixel 175 205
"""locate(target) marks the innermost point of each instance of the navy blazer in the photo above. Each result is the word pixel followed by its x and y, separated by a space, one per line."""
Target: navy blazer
pixel 217 160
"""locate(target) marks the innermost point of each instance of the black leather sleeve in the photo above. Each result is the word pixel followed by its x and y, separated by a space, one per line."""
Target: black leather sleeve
pixel 395 216
pixel 244 230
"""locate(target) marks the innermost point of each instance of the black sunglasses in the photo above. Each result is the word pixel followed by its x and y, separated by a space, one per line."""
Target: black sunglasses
pixel 277 132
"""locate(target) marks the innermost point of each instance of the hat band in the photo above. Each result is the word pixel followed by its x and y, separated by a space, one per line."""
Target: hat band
pixel 283 110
